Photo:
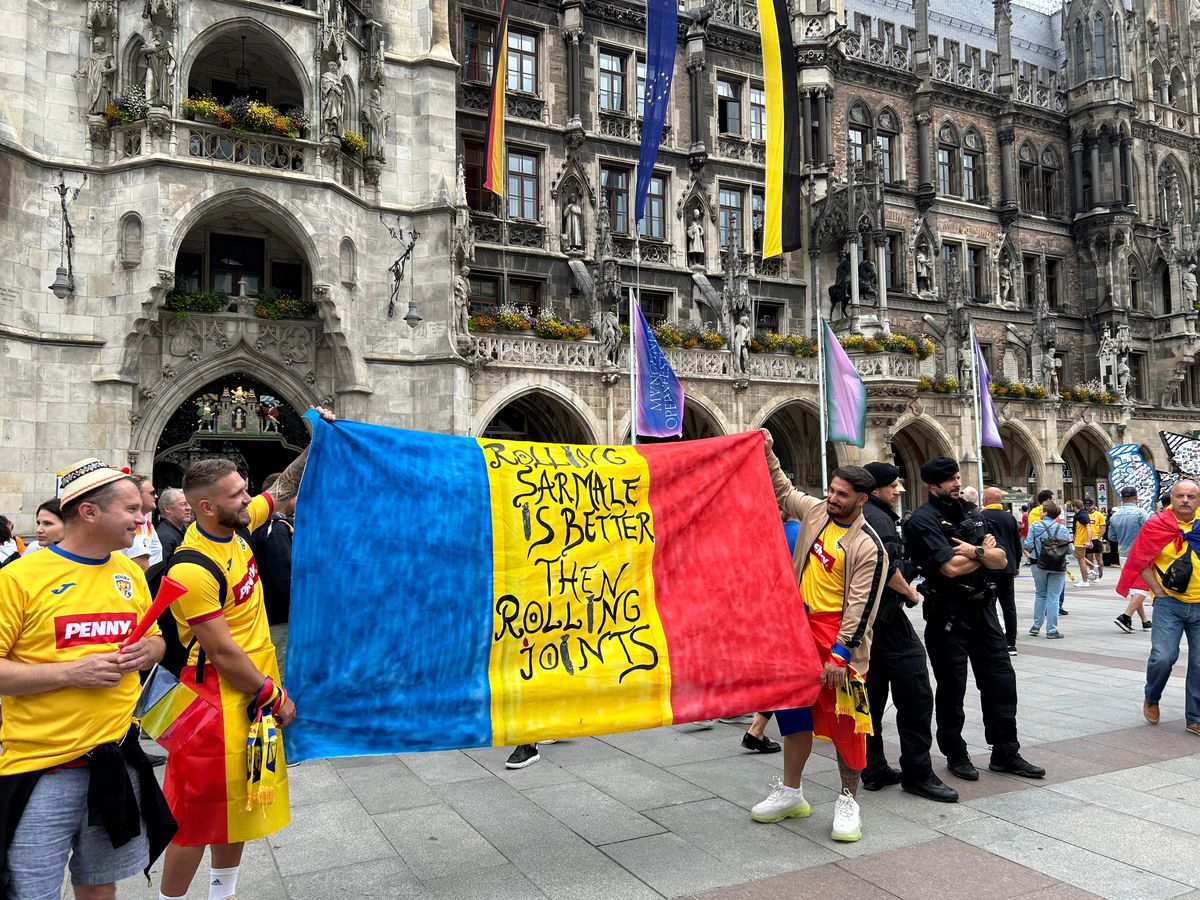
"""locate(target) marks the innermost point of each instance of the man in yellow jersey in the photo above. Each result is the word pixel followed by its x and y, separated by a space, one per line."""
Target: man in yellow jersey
pixel 1173 577
pixel 231 663
pixel 74 783
pixel 841 567
pixel 1097 523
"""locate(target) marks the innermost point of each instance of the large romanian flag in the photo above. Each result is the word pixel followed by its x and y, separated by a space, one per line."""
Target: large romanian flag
pixel 456 592
pixel 493 172
pixel 781 228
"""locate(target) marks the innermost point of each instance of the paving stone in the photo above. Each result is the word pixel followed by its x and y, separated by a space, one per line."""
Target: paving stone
pixel 1023 806
pixel 576 869
pixel 314 781
pixel 326 836
pixel 379 879
pixel 500 883
pixel 638 784
pixel 1145 778
pixel 881 829
pixel 744 781
pixel 544 772
pixel 723 830
pixel 820 881
pixel 671 865
pixel 350 762
pixel 669 747
pixel 435 841
pixel 505 817
pixel 387 787
pixel 1155 807
pixel 592 814
pixel 578 751
pixel 443 766
pixel 946 868
pixel 1093 872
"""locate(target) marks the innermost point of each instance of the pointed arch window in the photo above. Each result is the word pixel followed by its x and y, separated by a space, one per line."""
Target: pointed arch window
pixel 1099 47
pixel 948 172
pixel 1080 71
pixel 1051 166
pixel 887 143
pixel 974 173
pixel 858 134
pixel 1027 178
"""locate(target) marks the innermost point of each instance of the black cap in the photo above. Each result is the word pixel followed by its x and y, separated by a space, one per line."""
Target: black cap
pixel 1089 501
pixel 1128 493
pixel 939 469
pixel 883 473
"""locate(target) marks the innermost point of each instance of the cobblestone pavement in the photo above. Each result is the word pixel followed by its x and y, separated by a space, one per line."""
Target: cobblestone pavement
pixel 665 812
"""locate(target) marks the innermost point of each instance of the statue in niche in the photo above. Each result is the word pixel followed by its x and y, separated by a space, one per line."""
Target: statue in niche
pixel 377 122
pixel 924 271
pixel 1006 280
pixel 1124 377
pixel 695 239
pixel 868 282
pixel 99 70
pixel 610 335
pixel 741 346
pixel 1108 359
pixel 1189 287
pixel 164 9
pixel 966 366
pixel 839 291
pixel 462 305
pixel 1050 366
pixel 333 96
pixel 160 59
pixel 572 224
pixel 268 411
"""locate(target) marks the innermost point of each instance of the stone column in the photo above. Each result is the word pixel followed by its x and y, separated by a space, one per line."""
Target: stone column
pixel 695 70
pixel 805 126
pixel 881 272
pixel 1118 195
pixel 1007 167
pixel 1076 177
pixel 852 252
pixel 924 158
pixel 822 153
pixel 572 37
pixel 1094 161
pixel 828 124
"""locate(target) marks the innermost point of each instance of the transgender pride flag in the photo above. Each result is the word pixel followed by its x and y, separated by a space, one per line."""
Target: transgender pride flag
pixel 845 395
pixel 989 421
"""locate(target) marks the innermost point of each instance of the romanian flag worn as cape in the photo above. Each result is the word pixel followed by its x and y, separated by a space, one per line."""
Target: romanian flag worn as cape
pixel 511 592
pixel 1160 529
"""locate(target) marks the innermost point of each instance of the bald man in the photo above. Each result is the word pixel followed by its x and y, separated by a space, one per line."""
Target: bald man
pixel 1008 536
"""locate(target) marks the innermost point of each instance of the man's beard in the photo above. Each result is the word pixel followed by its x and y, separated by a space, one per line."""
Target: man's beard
pixel 231 519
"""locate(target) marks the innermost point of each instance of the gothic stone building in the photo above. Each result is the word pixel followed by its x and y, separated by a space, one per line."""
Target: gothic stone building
pixel 1030 173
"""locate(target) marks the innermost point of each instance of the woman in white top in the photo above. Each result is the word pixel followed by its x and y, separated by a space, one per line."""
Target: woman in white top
pixel 49 528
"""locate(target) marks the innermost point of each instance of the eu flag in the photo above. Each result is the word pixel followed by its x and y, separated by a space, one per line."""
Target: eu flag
pixel 662 21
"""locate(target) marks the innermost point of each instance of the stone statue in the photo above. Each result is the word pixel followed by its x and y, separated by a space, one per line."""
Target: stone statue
pixel 966 366
pixel 377 122
pixel 839 291
pixel 610 335
pixel 1123 377
pixel 741 346
pixel 99 71
pixel 1006 281
pixel 1108 359
pixel 1189 287
pixel 572 224
pixel 462 305
pixel 868 282
pixel 332 97
pixel 161 67
pixel 164 9
pixel 695 239
pixel 924 272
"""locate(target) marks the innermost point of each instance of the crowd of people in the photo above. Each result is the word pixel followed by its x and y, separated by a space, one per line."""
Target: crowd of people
pixel 78 793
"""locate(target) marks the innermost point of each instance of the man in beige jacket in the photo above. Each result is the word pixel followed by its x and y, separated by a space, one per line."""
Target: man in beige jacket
pixel 841 568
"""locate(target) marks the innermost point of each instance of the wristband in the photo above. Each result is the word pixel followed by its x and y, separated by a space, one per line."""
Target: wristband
pixel 839 655
pixel 269 697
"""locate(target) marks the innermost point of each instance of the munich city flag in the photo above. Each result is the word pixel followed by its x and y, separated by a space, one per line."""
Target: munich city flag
pixel 781 228
pixel 508 592
pixel 493 174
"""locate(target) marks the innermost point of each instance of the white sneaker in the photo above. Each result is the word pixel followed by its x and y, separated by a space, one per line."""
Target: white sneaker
pixel 782 803
pixel 704 724
pixel 1083 584
pixel 847 825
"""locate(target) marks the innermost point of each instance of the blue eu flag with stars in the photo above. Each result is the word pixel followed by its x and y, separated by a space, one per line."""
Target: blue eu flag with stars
pixel 662 22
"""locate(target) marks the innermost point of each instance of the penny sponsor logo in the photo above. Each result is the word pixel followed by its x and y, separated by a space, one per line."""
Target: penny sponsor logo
pixel 92 628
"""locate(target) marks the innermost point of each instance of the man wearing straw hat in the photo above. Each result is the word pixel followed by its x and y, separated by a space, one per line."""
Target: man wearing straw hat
pixel 74 783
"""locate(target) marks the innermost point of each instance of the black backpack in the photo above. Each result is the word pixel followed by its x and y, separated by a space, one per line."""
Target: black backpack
pixel 185 555
pixel 1052 557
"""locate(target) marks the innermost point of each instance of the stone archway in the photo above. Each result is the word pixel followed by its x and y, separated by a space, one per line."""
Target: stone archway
pixel 1084 463
pixel 796 430
pixel 914 444
pixel 699 421
pixel 540 417
pixel 1013 466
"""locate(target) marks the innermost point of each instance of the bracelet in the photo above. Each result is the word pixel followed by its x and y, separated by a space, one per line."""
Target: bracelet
pixel 839 655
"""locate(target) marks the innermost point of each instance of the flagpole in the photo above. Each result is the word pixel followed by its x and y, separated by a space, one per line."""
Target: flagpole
pixel 821 398
pixel 978 397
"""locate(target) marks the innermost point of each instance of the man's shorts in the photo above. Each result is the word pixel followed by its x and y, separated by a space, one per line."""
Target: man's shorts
pixel 794 721
pixel 1097 547
pixel 54 828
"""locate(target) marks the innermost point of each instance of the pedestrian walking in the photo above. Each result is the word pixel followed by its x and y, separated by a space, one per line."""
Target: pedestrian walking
pixel 1050 548
pixel 1123 528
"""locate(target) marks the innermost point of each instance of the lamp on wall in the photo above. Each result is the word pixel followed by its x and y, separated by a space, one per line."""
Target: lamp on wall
pixel 64 276
pixel 241 74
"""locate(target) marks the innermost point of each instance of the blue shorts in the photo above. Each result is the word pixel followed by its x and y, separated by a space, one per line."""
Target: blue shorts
pixel 54 833
pixel 793 721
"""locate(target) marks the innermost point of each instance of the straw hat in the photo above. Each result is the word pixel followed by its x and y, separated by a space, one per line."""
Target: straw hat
pixel 85 476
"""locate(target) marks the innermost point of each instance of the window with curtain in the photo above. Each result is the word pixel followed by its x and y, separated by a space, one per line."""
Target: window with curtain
pixel 654 221
pixel 522 185
pixel 479 41
pixel 615 183
pixel 612 81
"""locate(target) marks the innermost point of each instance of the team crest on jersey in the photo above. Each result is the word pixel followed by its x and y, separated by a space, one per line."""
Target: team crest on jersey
pixel 124 586
pixel 241 542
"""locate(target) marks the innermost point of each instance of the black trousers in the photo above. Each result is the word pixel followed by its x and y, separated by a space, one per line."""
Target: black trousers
pixel 1003 586
pixel 975 637
pixel 898 664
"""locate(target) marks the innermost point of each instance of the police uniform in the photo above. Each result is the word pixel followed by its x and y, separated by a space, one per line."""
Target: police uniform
pixel 961 626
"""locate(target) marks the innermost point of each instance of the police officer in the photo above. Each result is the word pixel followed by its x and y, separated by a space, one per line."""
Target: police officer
pixel 954 548
pixel 898 661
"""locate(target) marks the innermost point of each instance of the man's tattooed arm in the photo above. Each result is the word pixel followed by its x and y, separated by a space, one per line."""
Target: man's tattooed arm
pixel 288 484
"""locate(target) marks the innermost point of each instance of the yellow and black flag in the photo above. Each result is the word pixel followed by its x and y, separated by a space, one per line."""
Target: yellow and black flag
pixel 781 230
pixel 493 175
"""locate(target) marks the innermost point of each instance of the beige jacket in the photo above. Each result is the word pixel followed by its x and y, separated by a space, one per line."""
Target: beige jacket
pixel 865 567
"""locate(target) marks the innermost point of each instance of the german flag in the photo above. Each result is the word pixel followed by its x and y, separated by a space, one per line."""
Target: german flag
pixel 493 179
pixel 781 230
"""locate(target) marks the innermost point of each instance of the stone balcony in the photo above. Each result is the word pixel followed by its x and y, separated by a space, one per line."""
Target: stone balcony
pixel 212 146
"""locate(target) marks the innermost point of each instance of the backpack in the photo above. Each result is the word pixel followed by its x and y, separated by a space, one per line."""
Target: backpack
pixel 185 555
pixel 1052 556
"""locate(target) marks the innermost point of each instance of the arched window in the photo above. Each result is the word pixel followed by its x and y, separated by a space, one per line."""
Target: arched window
pixel 131 240
pixel 1080 70
pixel 1162 86
pixel 949 181
pixel 887 141
pixel 1178 93
pixel 1099 48
pixel 858 134
pixel 1027 158
pixel 1051 166
pixel 1135 287
pixel 347 262
pixel 974 172
pixel 1165 287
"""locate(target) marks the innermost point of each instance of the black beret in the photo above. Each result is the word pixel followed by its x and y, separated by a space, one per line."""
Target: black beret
pixel 939 469
pixel 883 473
